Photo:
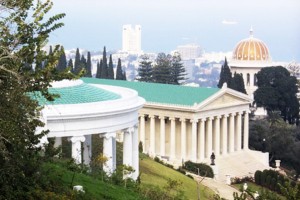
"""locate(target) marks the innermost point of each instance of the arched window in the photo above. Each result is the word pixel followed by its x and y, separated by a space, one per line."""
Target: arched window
pixel 248 79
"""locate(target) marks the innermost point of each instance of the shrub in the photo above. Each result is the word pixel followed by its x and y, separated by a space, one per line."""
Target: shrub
pixel 204 169
pixel 257 177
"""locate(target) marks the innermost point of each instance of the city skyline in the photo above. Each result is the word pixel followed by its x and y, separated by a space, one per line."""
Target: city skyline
pixel 214 25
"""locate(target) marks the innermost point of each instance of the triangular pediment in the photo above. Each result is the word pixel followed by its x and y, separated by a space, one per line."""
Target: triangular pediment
pixel 225 99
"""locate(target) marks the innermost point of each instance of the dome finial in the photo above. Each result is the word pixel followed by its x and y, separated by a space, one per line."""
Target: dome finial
pixel 251 31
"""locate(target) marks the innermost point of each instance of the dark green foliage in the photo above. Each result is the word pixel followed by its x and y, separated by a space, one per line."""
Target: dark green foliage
pixel 124 76
pixel 177 70
pixel 277 91
pixel 145 70
pixel 225 75
pixel 257 177
pixel 162 69
pixel 70 65
pixel 77 65
pixel 62 62
pixel 237 83
pixel 99 69
pixel 110 72
pixel 204 170
pixel 104 68
pixel 140 147
pixel 119 74
pixel 88 65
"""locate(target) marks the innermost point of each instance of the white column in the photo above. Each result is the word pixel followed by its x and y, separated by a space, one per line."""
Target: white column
pixel 183 139
pixel 238 132
pixel 87 149
pixel 76 148
pixel 127 147
pixel 217 136
pixel 135 153
pixel 162 136
pixel 224 135
pixel 109 151
pixel 194 141
pixel 152 136
pixel 172 139
pixel 58 142
pixel 142 131
pixel 246 130
pixel 208 148
pixel 231 133
pixel 201 140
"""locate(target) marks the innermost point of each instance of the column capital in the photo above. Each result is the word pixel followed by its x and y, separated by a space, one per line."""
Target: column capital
pixel 129 130
pixel 217 117
pixel 75 139
pixel 203 119
pixel 141 115
pixel 161 117
pixel 182 119
pixel 193 120
pixel 232 114
pixel 172 118
pixel 109 135
pixel 151 116
pixel 225 115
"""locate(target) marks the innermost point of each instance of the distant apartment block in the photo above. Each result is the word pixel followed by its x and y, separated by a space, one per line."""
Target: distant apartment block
pixel 189 51
pixel 131 39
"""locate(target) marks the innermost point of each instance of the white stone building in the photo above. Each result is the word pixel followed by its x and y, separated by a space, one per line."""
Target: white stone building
pixel 180 123
pixel 131 39
pixel 85 109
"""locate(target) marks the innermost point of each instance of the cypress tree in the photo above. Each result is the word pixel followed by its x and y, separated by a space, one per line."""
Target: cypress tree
pixel 225 75
pixel 119 74
pixel 62 62
pixel 83 64
pixel 110 72
pixel 89 65
pixel 124 76
pixel 99 69
pixel 77 66
pixel 177 70
pixel 145 70
pixel 104 69
pixel 70 65
pixel 237 83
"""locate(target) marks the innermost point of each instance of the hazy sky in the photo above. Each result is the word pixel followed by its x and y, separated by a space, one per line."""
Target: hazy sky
pixel 216 25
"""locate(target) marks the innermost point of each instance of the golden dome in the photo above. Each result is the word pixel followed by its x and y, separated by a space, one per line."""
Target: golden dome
pixel 251 49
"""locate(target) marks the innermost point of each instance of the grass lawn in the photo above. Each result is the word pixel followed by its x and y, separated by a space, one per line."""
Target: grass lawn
pixel 156 174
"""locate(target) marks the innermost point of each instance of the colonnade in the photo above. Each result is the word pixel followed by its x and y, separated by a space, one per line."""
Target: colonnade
pixel 130 149
pixel 182 139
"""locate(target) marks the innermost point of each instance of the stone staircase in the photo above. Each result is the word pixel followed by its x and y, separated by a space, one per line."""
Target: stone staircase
pixel 240 164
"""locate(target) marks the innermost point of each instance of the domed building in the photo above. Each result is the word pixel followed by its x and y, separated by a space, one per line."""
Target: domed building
pixel 249 56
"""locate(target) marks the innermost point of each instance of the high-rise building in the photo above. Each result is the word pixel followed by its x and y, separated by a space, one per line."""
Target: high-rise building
pixel 131 39
pixel 189 51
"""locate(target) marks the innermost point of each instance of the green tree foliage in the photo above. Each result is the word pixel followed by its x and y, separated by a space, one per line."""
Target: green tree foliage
pixel 119 74
pixel 99 69
pixel 83 62
pixel 70 65
pixel 237 83
pixel 24 30
pixel 145 70
pixel 124 76
pixel 177 70
pixel 278 138
pixel 110 72
pixel 225 75
pixel 104 68
pixel 77 65
pixel 277 91
pixel 62 62
pixel 162 69
pixel 88 65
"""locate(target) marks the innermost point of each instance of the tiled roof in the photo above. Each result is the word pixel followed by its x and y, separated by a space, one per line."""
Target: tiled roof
pixel 83 93
pixel 161 93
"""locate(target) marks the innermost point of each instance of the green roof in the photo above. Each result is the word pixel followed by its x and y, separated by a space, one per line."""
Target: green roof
pixel 83 93
pixel 161 93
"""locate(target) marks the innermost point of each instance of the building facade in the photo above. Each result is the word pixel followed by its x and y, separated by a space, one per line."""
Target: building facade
pixel 131 39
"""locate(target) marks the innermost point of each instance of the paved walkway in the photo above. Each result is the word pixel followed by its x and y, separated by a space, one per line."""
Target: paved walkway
pixel 224 190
